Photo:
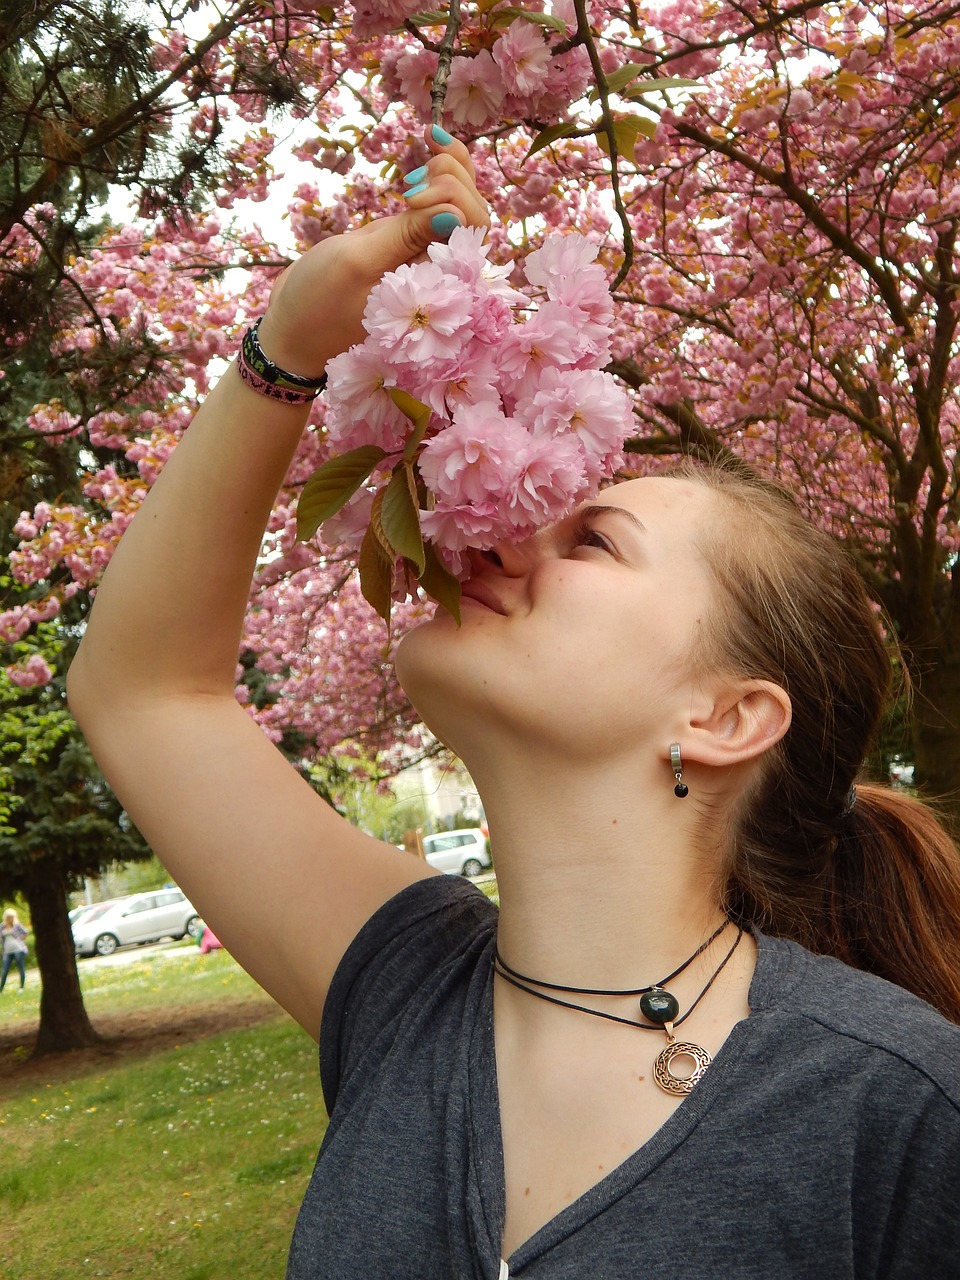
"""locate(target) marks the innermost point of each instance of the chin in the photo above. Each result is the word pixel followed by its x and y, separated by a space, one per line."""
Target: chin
pixel 434 680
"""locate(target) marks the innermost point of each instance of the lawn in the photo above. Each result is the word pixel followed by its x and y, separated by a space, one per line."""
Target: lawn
pixel 187 1164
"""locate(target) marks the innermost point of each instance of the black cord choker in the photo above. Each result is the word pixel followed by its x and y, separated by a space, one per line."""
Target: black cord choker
pixel 659 1006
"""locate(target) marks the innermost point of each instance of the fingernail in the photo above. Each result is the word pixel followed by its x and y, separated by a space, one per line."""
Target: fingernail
pixel 415 191
pixel 444 224
pixel 441 136
pixel 416 175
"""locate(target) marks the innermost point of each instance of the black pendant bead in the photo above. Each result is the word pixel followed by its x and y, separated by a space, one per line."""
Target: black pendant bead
pixel 659 1006
pixel 681 790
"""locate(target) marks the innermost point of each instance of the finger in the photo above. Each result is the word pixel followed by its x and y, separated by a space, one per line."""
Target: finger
pixel 447 192
pixel 441 142
pixel 436 165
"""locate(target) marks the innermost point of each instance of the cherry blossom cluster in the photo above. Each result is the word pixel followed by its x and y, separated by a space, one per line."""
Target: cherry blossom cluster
pixel 793 295
pixel 523 420
pixel 520 76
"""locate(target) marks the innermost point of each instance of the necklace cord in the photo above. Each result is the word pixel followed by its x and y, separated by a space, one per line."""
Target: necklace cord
pixel 599 991
pixel 519 981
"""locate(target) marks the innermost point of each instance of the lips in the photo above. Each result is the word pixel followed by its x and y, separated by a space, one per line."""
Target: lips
pixel 481 593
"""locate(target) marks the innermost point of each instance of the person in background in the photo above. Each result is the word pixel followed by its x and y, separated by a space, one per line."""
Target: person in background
pixel 206 939
pixel 711 1033
pixel 13 942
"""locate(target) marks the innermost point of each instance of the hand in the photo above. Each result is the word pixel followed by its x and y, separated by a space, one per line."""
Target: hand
pixel 317 304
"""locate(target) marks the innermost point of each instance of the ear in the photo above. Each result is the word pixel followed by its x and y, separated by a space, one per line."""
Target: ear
pixel 739 723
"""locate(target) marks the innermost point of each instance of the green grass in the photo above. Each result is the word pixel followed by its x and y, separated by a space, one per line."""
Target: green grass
pixel 186 1165
pixel 178 973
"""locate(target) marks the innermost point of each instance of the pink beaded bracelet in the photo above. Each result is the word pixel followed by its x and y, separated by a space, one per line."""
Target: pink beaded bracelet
pixel 266 378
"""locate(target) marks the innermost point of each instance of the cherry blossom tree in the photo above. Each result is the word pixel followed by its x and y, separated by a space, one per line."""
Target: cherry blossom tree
pixel 771 189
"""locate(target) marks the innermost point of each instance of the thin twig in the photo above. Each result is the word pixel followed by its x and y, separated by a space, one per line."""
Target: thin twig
pixel 444 61
pixel 607 123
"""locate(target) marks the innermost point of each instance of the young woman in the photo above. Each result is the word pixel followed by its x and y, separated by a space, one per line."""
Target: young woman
pixel 13 947
pixel 664 701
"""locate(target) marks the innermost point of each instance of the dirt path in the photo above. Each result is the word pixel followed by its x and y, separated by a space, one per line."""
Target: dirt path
pixel 125 1036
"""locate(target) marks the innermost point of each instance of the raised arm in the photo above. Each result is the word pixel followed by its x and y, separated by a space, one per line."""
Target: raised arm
pixel 283 880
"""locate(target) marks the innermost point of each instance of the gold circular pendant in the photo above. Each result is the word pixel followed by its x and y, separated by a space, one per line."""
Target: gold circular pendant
pixel 680 1049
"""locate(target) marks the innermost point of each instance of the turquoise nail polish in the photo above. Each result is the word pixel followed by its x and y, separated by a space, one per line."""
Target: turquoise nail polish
pixel 416 175
pixel 441 136
pixel 415 191
pixel 444 224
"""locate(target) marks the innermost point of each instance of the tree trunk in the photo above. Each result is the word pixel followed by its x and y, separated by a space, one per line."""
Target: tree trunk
pixel 935 728
pixel 63 1019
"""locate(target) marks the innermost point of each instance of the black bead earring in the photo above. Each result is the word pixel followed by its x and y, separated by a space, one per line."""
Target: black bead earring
pixel 681 789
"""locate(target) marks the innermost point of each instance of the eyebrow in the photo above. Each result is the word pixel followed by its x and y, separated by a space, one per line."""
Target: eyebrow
pixel 603 509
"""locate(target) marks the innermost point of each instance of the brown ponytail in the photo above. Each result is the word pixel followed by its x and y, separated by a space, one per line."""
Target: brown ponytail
pixel 876 884
pixel 893 906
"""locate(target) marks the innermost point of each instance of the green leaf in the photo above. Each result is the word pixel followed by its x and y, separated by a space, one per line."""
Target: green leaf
pixel 408 405
pixel 658 86
pixel 618 80
pixel 376 574
pixel 429 18
pixel 504 17
pixel 439 583
pixel 376 525
pixel 415 437
pixel 626 130
pixel 332 485
pixel 418 413
pixel 400 518
pixel 548 136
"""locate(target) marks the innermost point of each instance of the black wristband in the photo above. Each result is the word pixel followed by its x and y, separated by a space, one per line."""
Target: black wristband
pixel 252 355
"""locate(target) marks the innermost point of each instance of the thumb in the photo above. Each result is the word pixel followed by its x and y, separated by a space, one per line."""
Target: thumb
pixel 390 242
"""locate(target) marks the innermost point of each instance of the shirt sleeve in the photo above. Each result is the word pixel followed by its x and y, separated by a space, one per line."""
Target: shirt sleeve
pixel 428 929
pixel 919 1192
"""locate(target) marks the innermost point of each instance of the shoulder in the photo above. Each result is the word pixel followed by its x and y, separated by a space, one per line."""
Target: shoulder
pixel 429 922
pixel 421 950
pixel 859 1017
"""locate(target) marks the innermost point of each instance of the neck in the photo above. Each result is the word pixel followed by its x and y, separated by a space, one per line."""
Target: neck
pixel 603 879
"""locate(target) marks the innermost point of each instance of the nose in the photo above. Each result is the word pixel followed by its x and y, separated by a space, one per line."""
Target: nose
pixel 513 559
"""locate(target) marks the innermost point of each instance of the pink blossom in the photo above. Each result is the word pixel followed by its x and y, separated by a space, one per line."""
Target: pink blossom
pixel 550 337
pixel 455 527
pixel 472 379
pixel 560 259
pixel 551 476
pixel 415 69
pixel 523 57
pixel 475 458
pixel 363 413
pixel 523 420
pixel 347 527
pixel 374 16
pixel 587 402
pixel 490 319
pixel 417 313
pixel 31 673
pixel 464 257
pixel 14 624
pixel 474 90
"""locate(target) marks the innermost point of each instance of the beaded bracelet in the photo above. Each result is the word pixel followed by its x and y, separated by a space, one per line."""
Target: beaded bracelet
pixel 263 376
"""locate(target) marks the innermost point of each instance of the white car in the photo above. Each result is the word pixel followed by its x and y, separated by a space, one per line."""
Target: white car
pixel 463 852
pixel 143 917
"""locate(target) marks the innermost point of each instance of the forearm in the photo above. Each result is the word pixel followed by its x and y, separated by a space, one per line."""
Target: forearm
pixel 168 614
pixel 169 611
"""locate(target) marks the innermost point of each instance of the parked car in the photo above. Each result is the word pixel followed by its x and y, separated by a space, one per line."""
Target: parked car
pixel 143 917
pixel 90 910
pixel 463 852
pixel 82 910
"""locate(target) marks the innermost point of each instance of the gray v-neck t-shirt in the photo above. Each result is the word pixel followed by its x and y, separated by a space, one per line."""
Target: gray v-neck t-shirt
pixel 822 1143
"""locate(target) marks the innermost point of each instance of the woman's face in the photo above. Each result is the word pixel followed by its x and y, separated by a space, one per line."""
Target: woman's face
pixel 585 636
